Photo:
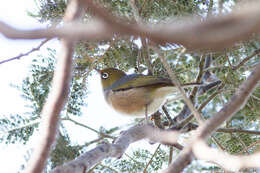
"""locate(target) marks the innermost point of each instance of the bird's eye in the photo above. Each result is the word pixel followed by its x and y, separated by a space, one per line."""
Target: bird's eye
pixel 104 75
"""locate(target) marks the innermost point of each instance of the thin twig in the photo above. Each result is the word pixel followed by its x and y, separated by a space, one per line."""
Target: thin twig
pixel 250 146
pixel 210 7
pixel 177 84
pixel 151 159
pixel 198 78
pixel 90 128
pixel 217 142
pixel 146 55
pixel 211 97
pixel 228 60
pixel 32 123
pixel 193 126
pixel 202 105
pixel 131 158
pixel 93 141
pixel 186 113
pixel 256 52
pixel 92 169
pixel 242 143
pixel 142 7
pixel 27 53
pixel 135 11
pixel 108 167
pixel 170 155
pixel 229 109
pixel 229 130
pixel 167 115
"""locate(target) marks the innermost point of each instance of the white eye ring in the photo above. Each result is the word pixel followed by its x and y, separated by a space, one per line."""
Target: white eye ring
pixel 104 75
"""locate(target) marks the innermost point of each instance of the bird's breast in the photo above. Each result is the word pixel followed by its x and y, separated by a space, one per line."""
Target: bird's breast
pixel 134 101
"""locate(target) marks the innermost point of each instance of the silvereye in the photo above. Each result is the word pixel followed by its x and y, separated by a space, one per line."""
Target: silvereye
pixel 135 94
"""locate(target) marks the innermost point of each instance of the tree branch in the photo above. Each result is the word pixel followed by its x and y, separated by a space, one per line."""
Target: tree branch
pixel 256 52
pixel 234 105
pixel 90 128
pixel 56 99
pixel 229 130
pixel 177 84
pixel 94 156
pixel 214 33
pixel 224 160
pixel 192 126
pixel 27 53
pixel 250 146
pixel 151 159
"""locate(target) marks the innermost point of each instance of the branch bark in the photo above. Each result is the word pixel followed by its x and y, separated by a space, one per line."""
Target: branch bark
pixel 87 160
pixel 214 33
pixel 56 98
pixel 224 160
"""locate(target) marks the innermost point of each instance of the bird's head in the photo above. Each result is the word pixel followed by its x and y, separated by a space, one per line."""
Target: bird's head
pixel 109 76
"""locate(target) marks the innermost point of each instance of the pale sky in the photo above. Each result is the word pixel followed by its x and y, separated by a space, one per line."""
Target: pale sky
pixel 14 13
pixel 95 115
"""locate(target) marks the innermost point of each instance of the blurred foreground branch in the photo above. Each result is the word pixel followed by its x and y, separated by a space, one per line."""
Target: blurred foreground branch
pixel 230 108
pixel 56 99
pixel 224 160
pixel 214 33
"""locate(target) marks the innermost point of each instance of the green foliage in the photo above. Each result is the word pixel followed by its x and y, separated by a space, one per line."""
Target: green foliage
pixel 12 133
pixel 128 54
pixel 135 163
pixel 50 10
pixel 77 96
pixel 63 151
pixel 36 86
pixel 35 89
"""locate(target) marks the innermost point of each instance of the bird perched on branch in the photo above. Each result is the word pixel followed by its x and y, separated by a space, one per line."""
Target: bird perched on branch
pixel 135 94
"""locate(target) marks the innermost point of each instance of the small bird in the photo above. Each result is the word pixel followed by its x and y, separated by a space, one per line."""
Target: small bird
pixel 135 94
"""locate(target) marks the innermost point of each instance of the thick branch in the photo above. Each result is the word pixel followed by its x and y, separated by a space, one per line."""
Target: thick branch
pixel 94 156
pixel 56 99
pixel 214 33
pixel 224 160
pixel 93 30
